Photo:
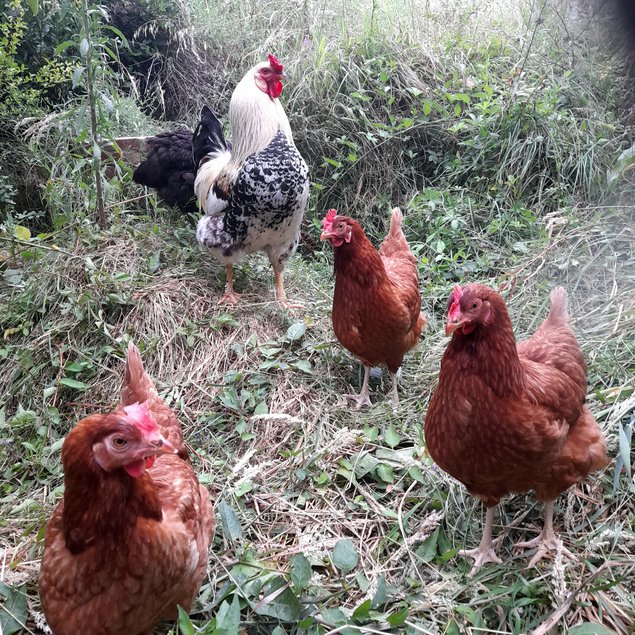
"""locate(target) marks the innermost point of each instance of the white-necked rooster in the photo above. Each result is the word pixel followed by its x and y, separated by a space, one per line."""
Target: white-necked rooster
pixel 253 193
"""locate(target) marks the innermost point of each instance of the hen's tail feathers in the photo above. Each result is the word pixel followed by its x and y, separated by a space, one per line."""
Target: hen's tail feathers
pixel 208 139
pixel 558 315
pixel 395 241
pixel 138 387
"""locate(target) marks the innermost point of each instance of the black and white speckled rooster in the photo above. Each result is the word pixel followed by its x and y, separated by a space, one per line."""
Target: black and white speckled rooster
pixel 255 193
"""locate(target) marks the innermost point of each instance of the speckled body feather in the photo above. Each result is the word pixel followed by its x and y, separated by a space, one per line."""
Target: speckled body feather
pixel 265 207
pixel 255 194
pixel 509 417
pixel 121 552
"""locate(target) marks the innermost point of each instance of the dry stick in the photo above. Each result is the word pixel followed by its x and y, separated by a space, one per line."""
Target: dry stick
pixel 546 626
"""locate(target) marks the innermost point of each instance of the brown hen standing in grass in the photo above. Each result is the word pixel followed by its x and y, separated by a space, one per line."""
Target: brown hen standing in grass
pixel 510 417
pixel 129 540
pixel 376 306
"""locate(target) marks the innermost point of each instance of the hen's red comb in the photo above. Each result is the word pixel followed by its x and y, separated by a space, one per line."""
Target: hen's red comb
pixel 455 297
pixel 139 415
pixel 275 64
pixel 328 219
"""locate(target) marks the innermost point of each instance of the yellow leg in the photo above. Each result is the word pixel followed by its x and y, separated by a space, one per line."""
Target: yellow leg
pixel 230 297
pixel 281 296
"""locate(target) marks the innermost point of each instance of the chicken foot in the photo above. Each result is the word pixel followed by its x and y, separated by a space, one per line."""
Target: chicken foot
pixel 363 399
pixel 547 541
pixel 230 297
pixel 281 296
pixel 485 550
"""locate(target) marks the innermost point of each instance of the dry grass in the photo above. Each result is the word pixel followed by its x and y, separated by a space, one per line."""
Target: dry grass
pixel 292 474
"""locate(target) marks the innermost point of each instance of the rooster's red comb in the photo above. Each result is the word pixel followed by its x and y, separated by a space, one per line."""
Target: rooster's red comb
pixel 328 219
pixel 275 64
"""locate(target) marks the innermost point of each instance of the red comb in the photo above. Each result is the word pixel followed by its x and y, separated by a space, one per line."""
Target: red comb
pixel 328 220
pixel 457 292
pixel 275 64
pixel 139 415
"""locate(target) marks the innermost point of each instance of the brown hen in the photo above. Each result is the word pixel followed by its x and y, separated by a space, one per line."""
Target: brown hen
pixel 507 417
pixel 129 540
pixel 376 306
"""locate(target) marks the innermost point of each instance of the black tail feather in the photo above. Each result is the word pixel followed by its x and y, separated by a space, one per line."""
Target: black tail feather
pixel 208 136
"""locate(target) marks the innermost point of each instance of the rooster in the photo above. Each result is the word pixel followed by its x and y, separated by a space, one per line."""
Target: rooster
pixel 376 306
pixel 510 417
pixel 253 194
pixel 129 540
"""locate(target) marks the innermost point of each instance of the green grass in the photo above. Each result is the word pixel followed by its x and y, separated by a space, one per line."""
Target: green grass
pixel 293 469
pixel 504 138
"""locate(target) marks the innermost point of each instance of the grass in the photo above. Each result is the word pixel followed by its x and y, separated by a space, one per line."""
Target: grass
pixel 495 132
pixel 292 468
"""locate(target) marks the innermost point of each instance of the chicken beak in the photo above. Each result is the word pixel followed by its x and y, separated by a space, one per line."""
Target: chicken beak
pixel 160 445
pixel 326 234
pixel 451 326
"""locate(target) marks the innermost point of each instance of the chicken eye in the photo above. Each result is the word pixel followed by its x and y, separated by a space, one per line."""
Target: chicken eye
pixel 475 305
pixel 119 442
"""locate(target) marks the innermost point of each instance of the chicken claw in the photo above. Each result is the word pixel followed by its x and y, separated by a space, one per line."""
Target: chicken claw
pixel 547 541
pixel 363 399
pixel 230 297
pixel 481 555
pixel 485 550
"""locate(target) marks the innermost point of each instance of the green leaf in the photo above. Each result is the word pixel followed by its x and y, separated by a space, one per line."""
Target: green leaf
pixel 296 331
pixel 381 594
pixel 590 628
pixel 228 617
pixel 333 617
pixel 398 617
pixel 33 5
pixel 76 77
pixel 391 437
pixel 427 108
pixel 385 473
pixel 278 630
pixel 83 47
pixel 62 47
pixel 22 233
pixel 427 550
pixel 185 624
pixel 300 571
pixel 279 601
pixel 304 365
pixel 362 581
pixel 73 383
pixel 261 408
pixel 362 612
pixel 229 522
pixel 345 556
pixel 13 611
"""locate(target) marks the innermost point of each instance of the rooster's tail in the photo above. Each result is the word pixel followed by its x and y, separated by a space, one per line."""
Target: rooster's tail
pixel 558 314
pixel 139 388
pixel 208 140
pixel 395 241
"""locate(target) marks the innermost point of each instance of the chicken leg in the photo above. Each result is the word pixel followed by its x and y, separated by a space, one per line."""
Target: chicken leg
pixel 485 550
pixel 395 394
pixel 363 399
pixel 546 541
pixel 230 297
pixel 281 296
